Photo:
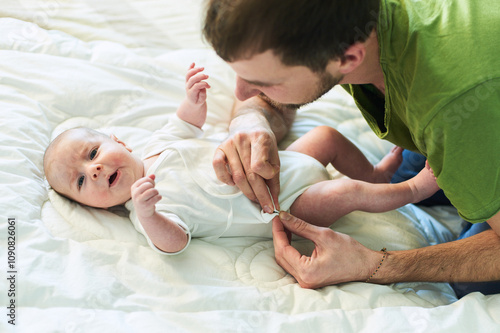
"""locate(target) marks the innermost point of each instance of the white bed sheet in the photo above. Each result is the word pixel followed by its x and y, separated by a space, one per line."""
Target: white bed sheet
pixel 121 68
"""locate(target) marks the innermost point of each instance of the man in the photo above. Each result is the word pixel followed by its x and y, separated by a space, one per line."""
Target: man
pixel 424 74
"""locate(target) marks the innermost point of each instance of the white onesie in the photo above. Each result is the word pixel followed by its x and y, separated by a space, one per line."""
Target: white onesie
pixel 193 197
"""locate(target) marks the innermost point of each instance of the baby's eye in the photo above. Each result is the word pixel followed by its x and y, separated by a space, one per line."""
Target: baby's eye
pixel 80 181
pixel 92 154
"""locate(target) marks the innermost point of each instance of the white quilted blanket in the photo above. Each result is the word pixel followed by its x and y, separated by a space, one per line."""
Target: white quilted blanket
pixel 119 66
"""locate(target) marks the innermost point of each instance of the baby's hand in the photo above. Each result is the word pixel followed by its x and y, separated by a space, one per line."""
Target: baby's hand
pixel 193 108
pixel 145 196
pixel 196 87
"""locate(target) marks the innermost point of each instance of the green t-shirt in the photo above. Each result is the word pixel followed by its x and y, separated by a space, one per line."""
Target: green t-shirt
pixel 441 64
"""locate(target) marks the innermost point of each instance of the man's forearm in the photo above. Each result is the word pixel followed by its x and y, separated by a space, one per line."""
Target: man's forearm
pixel 472 259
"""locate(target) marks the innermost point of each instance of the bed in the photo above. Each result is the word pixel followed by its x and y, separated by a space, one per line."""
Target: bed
pixel 120 68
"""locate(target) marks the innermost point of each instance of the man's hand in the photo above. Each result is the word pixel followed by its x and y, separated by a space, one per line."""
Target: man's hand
pixel 336 257
pixel 145 196
pixel 248 158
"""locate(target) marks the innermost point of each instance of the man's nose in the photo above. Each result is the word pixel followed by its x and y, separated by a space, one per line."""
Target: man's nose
pixel 245 90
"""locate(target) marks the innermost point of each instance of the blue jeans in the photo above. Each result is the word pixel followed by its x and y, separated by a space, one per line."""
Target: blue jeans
pixel 411 165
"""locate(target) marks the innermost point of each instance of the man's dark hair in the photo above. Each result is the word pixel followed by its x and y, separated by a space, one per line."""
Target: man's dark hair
pixel 301 32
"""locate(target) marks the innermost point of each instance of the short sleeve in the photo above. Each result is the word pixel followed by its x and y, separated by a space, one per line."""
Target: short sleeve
pixel 463 149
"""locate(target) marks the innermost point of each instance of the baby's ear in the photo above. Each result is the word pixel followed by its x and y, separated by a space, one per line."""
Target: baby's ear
pixel 113 137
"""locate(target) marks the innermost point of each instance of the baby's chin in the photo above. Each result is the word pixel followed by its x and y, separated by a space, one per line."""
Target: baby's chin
pixel 108 204
pixel 120 203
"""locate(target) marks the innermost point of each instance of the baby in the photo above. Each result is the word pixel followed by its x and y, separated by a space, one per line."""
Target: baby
pixel 176 194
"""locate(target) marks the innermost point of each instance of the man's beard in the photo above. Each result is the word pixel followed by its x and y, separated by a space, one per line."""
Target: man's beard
pixel 325 84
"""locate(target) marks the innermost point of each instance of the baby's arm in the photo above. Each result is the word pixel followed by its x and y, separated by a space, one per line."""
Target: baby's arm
pixel 165 234
pixel 325 202
pixel 194 107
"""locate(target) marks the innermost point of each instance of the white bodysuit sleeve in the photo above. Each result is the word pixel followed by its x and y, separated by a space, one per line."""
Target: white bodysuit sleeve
pixel 175 130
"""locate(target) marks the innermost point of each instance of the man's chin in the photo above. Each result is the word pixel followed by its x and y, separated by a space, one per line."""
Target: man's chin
pixel 326 84
pixel 281 106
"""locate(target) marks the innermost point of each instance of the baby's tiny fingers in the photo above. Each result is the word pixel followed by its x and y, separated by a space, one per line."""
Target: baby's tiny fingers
pixel 201 85
pixel 149 179
pixel 142 188
pixel 193 71
pixel 198 78
pixel 149 194
pixel 155 199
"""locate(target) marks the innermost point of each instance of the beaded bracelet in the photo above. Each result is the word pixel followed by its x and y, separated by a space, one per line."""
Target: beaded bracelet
pixel 380 264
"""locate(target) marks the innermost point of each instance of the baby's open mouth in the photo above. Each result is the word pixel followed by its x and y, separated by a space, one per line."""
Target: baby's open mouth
pixel 112 178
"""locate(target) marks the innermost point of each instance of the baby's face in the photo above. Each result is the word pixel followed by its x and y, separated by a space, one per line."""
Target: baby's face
pixel 93 169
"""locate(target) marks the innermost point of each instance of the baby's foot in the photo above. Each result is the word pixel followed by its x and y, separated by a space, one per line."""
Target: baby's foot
pixel 385 169
pixel 424 183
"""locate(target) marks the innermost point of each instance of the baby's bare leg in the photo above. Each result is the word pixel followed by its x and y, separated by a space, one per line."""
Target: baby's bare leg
pixel 325 202
pixel 327 145
pixel 388 165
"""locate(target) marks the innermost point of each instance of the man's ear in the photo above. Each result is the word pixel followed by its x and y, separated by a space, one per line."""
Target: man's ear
pixel 113 137
pixel 353 57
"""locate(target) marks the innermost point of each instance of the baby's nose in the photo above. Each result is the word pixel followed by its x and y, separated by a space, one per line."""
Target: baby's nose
pixel 95 171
